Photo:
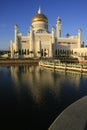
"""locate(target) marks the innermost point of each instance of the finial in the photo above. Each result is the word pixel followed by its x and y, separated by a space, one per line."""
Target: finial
pixel 59 19
pixel 39 11
pixel 16 26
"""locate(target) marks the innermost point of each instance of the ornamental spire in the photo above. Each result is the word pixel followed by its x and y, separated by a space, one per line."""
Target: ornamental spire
pixel 39 11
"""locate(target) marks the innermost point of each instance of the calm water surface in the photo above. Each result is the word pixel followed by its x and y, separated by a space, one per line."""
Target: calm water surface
pixel 32 97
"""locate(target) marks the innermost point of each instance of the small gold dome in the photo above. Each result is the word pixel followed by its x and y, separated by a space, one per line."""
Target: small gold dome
pixel 59 19
pixel 39 17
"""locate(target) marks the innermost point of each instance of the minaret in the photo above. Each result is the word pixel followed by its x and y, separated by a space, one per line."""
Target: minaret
pixel 79 38
pixel 16 37
pixel 11 48
pixel 15 33
pixel 53 35
pixel 31 41
pixel 58 27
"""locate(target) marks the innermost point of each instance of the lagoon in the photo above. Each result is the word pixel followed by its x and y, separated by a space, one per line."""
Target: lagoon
pixel 32 97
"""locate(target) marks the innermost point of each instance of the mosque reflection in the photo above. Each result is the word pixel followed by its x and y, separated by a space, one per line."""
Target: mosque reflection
pixel 40 82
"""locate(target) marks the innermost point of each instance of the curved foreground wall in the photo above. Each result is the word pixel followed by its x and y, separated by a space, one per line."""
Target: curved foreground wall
pixel 72 118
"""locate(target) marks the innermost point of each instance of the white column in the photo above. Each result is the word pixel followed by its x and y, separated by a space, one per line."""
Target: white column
pixel 31 42
pixel 58 27
pixel 15 33
pixel 11 48
pixel 50 53
pixel 53 35
pixel 39 48
pixel 79 38
pixel 16 37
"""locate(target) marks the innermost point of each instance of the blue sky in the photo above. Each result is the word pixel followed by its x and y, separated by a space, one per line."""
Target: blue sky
pixel 73 14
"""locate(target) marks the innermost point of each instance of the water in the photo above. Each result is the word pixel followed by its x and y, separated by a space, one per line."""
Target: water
pixel 32 97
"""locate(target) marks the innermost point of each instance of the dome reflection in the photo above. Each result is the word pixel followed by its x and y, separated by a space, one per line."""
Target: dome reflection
pixel 39 82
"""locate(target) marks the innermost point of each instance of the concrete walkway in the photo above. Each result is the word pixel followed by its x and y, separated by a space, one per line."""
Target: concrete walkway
pixel 72 118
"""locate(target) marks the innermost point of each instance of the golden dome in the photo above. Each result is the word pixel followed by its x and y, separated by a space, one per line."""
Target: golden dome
pixel 39 17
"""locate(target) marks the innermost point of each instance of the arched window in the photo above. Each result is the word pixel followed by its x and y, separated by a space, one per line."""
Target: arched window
pixel 14 51
pixel 60 52
pixel 19 51
pixel 56 52
pixel 41 52
pixel 45 53
pixel 27 51
pixel 22 52
pixel 67 52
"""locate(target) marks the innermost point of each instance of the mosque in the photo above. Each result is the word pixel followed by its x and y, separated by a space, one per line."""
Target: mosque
pixel 41 43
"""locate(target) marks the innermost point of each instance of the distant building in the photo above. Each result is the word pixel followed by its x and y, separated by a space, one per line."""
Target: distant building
pixel 40 42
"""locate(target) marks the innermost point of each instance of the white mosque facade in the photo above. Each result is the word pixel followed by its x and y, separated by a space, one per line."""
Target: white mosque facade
pixel 41 43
